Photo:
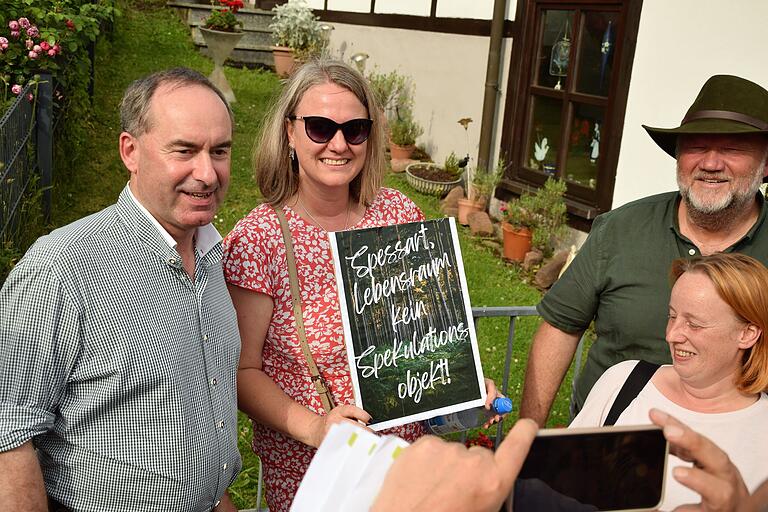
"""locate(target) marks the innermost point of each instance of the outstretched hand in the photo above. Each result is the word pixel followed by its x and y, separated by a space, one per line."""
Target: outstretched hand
pixel 491 393
pixel 713 475
pixel 436 475
pixel 338 414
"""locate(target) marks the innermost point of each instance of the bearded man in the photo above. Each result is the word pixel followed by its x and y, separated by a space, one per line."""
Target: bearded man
pixel 619 279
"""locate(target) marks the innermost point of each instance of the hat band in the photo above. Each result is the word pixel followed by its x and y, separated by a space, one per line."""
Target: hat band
pixel 728 115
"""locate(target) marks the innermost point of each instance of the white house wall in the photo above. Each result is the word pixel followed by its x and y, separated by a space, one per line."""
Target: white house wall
pixel 448 70
pixel 680 44
pixel 449 73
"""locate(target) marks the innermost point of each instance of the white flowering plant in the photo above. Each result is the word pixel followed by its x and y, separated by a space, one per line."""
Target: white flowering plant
pixel 295 26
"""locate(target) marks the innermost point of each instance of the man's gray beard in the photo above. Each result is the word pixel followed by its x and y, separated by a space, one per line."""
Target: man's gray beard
pixel 714 217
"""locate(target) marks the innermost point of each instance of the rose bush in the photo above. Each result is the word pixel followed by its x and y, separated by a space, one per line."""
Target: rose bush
pixel 50 36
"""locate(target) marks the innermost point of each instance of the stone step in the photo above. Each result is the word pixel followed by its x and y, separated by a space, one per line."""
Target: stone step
pixel 194 14
pixel 255 45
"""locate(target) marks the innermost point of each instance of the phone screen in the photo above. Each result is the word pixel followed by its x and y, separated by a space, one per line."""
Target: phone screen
pixel 611 468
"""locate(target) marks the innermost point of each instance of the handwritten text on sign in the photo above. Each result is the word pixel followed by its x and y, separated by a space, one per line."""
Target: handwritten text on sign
pixel 406 313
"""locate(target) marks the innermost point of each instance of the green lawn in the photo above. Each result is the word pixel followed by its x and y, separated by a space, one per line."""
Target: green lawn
pixel 149 37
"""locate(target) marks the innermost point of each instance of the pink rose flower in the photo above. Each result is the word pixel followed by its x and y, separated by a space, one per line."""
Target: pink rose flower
pixel 33 31
pixel 24 22
pixel 37 48
pixel 30 97
pixel 56 48
pixel 51 52
pixel 15 34
pixel 29 44
pixel 44 45
pixel 16 89
pixel 32 54
pixel 13 25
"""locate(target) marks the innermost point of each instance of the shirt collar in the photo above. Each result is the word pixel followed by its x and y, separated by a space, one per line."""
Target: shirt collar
pixel 206 236
pixel 762 204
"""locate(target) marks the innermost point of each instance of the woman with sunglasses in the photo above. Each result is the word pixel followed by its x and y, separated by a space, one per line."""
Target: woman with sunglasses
pixel 320 161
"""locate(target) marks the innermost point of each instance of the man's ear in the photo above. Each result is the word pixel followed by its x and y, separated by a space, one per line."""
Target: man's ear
pixel 749 336
pixel 129 151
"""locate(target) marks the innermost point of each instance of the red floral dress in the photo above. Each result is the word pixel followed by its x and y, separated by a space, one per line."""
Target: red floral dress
pixel 254 258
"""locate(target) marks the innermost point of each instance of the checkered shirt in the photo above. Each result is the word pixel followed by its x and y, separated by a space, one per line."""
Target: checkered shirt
pixel 120 367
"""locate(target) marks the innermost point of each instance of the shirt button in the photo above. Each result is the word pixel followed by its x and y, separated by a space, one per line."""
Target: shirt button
pixel 221 424
pixel 224 467
pixel 214 381
pixel 692 252
pixel 205 337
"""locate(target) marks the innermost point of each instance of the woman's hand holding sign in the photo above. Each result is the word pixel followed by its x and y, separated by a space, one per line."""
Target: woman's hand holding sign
pixel 351 413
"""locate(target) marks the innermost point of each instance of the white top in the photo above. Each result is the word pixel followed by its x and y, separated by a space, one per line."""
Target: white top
pixel 742 434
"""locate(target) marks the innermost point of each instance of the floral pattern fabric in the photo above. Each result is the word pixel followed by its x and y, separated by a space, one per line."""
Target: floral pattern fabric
pixel 254 259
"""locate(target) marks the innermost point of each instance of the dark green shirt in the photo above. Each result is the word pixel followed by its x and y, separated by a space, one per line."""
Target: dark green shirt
pixel 620 278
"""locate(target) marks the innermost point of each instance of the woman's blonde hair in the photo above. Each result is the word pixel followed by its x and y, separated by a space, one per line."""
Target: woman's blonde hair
pixel 742 282
pixel 276 175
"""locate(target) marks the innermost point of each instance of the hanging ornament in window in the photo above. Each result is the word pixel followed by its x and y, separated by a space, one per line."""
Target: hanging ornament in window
pixel 558 63
pixel 605 49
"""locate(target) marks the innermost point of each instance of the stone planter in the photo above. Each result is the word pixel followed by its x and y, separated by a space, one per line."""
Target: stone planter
pixel 221 45
pixel 517 242
pixel 467 206
pixel 285 62
pixel 425 186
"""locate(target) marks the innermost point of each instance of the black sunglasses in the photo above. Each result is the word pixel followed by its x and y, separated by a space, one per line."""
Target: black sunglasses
pixel 322 129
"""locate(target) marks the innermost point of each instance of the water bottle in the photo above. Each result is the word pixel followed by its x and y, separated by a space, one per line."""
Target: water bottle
pixel 468 418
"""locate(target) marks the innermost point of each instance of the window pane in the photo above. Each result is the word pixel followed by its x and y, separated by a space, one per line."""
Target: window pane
pixel 554 52
pixel 584 145
pixel 544 138
pixel 598 41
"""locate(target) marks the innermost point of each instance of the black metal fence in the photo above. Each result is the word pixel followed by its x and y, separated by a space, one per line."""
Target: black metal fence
pixel 26 155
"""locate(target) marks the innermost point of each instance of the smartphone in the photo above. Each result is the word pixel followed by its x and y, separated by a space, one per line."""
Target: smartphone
pixel 584 469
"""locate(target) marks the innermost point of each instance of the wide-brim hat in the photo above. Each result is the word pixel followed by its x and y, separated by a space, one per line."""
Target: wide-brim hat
pixel 726 104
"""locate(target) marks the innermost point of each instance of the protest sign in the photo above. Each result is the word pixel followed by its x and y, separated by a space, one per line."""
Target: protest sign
pixel 407 321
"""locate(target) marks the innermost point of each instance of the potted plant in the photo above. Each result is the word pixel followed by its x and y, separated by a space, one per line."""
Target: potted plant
pixel 551 216
pixel 430 178
pixel 222 31
pixel 403 132
pixel 534 220
pixel 297 35
pixel 479 189
pixel 517 221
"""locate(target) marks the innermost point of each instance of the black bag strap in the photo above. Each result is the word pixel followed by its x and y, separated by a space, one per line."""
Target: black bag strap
pixel 641 374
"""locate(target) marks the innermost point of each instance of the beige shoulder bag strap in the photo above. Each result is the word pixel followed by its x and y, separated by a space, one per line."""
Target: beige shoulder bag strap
pixel 325 394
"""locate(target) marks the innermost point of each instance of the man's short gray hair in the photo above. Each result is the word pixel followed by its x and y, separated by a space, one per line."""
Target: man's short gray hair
pixel 134 107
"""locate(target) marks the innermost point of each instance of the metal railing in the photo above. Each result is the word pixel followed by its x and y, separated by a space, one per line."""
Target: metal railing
pixel 26 151
pixel 513 312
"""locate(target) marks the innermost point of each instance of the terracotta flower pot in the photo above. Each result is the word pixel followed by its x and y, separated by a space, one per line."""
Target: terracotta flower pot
pixel 401 152
pixel 467 206
pixel 285 63
pixel 517 241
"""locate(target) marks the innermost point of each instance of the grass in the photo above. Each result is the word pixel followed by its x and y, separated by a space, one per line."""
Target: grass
pixel 150 37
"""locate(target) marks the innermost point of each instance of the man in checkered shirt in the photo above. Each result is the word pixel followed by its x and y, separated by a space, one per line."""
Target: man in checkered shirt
pixel 118 339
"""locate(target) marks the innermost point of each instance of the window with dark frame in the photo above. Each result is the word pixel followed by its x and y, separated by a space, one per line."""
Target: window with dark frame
pixel 565 110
